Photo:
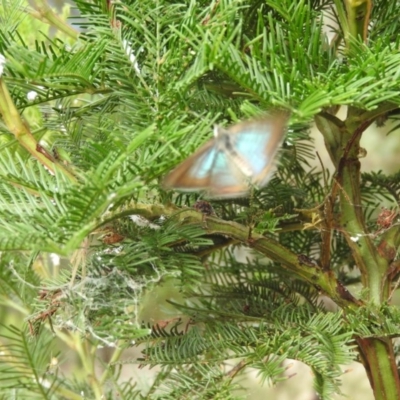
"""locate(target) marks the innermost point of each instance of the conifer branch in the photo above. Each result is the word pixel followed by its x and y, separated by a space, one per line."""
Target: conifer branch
pixel 302 266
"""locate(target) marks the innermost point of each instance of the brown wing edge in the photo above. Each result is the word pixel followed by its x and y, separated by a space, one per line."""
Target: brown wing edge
pixel 179 179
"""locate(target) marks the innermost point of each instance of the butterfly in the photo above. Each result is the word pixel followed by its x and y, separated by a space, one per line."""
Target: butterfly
pixel 236 159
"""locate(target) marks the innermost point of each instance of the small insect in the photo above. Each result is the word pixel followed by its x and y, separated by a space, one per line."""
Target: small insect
pixel 204 207
pixel 236 159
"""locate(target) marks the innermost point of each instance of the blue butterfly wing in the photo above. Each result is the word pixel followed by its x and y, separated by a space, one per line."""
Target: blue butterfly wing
pixel 237 157
pixel 254 146
pixel 194 173
pixel 250 148
pixel 210 169
pixel 205 164
pixel 227 180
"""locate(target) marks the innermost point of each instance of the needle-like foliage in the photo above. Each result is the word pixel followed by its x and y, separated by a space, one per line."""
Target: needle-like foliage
pixel 93 118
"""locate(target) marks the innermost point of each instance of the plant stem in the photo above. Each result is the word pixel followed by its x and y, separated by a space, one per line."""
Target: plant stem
pixel 379 361
pixel 343 143
pixel 45 14
pixel 304 267
pixel 23 134
pixel 372 265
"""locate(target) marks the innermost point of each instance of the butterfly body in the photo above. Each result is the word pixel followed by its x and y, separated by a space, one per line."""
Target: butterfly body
pixel 234 160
